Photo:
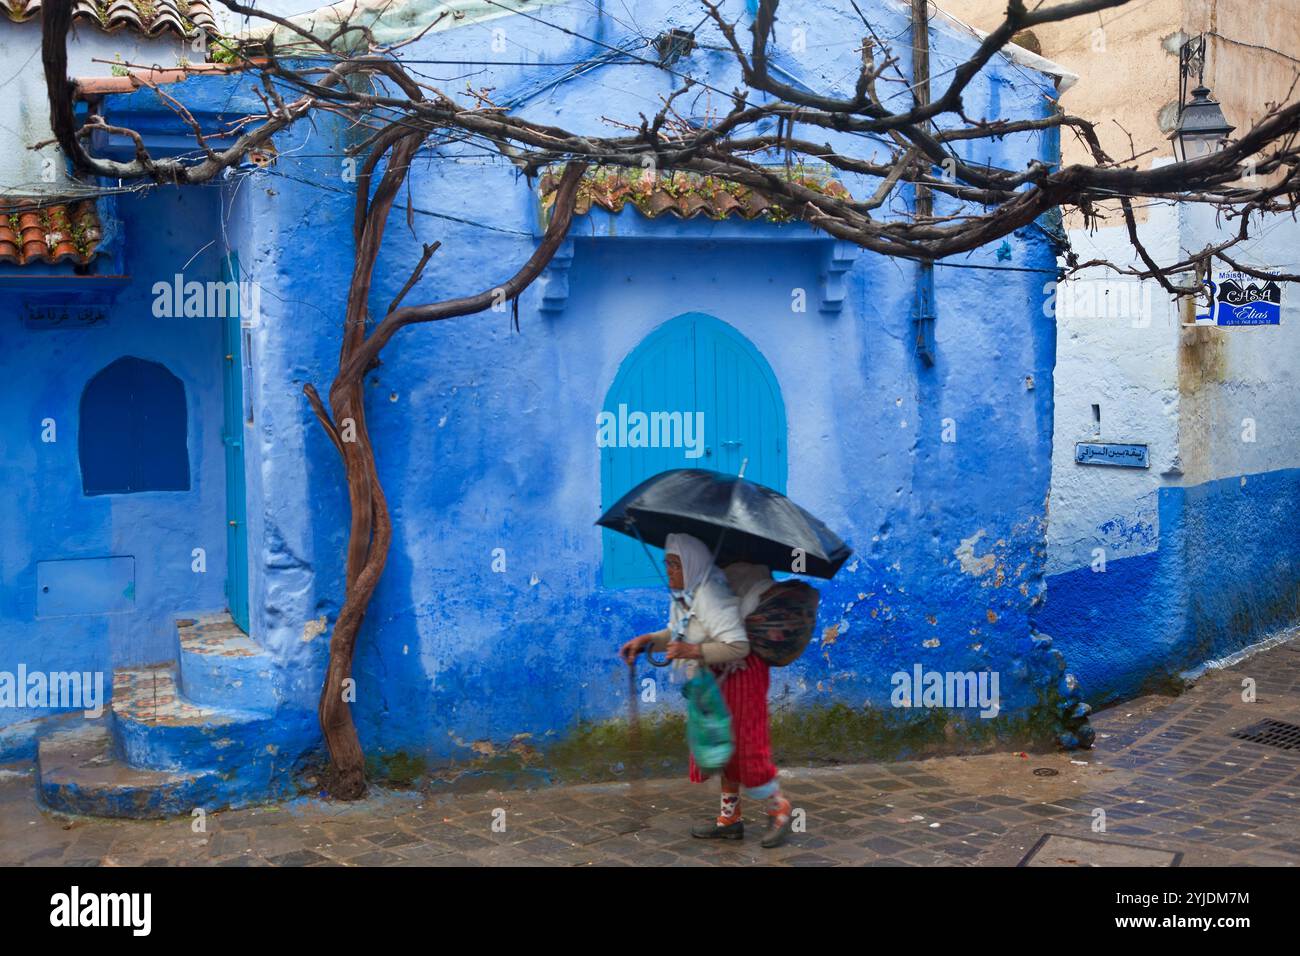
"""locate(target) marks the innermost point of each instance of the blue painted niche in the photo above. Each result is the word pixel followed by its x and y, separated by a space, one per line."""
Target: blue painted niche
pixel 132 434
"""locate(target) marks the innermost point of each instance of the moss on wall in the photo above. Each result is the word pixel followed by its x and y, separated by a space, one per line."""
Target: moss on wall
pixel 399 769
pixel 814 736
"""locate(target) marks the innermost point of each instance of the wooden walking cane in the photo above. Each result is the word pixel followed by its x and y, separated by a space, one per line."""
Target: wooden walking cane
pixel 633 719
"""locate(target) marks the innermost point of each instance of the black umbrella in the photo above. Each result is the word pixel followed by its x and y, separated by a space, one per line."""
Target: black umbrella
pixel 751 522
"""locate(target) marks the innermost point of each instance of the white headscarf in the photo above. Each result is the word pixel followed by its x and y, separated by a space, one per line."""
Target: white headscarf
pixel 696 559
pixel 706 610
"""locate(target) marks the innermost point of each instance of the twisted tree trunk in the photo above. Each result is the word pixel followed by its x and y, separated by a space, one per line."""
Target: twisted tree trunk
pixel 371 528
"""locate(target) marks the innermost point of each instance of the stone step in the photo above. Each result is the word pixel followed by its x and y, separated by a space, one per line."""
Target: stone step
pixel 220 666
pixel 77 772
pixel 18 741
pixel 208 730
pixel 156 728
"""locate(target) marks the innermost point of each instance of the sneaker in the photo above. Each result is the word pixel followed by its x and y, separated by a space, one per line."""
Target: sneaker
pixel 717 830
pixel 779 825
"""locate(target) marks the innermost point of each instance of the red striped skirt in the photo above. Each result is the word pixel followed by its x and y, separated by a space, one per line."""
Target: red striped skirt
pixel 745 693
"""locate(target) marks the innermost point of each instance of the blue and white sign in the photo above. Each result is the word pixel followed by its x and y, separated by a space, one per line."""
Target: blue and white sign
pixel 1111 454
pixel 1243 300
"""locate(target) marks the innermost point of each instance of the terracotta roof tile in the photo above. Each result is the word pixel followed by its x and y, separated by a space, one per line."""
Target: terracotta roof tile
pixel 51 233
pixel 151 17
pixel 132 80
pixel 685 195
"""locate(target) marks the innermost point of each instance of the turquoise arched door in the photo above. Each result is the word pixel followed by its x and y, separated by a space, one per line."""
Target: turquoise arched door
pixel 694 394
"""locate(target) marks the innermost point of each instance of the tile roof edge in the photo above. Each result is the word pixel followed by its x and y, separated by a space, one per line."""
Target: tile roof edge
pixel 657 197
pixel 166 16
pixel 32 229
pixel 152 76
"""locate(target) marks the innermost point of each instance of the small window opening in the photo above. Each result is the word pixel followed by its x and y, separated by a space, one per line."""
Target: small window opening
pixel 132 430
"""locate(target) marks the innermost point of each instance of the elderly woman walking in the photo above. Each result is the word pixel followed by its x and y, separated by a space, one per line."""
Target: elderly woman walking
pixel 706 628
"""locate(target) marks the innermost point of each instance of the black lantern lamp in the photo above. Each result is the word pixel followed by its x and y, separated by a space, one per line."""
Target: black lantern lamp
pixel 1202 129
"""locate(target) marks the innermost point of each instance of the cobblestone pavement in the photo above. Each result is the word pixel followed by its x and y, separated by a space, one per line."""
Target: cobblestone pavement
pixel 1165 771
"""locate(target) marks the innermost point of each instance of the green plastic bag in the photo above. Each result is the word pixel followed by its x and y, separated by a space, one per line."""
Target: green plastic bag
pixel 708 724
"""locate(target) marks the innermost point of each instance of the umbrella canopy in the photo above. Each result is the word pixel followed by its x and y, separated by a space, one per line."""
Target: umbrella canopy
pixel 754 523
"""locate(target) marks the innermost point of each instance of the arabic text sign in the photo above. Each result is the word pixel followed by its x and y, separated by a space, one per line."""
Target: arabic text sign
pixel 1114 455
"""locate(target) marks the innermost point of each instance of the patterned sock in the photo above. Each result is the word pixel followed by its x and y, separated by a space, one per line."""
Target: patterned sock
pixel 730 808
pixel 778 807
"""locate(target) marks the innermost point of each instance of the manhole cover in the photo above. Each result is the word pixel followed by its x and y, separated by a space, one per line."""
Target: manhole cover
pixel 1271 733
pixel 1055 849
pixel 1046 772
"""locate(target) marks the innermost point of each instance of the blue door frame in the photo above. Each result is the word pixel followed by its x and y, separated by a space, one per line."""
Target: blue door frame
pixel 232 437
pixel 692 363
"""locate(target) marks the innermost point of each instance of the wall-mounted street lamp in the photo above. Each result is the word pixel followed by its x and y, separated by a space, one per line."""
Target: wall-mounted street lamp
pixel 1202 129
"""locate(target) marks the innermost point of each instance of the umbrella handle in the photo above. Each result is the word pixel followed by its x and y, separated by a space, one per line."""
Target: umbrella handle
pixel 650 656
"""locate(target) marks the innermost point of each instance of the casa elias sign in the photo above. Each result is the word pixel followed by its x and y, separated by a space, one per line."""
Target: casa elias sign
pixel 1242 300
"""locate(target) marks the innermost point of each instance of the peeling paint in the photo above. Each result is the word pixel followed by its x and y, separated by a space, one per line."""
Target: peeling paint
pixel 313 629
pixel 970 564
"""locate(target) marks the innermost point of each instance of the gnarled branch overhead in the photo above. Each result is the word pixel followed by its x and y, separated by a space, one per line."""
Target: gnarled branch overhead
pixel 991 202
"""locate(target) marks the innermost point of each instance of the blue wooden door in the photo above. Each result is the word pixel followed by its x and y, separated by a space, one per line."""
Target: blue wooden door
pixel 696 366
pixel 232 436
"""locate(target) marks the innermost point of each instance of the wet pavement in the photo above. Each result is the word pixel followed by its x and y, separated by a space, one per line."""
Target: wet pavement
pixel 1166 784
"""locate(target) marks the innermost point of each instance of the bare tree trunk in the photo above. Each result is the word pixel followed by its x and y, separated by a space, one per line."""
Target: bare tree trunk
pixel 371 528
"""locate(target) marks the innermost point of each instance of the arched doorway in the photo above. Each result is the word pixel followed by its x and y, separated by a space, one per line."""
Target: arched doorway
pixel 694 394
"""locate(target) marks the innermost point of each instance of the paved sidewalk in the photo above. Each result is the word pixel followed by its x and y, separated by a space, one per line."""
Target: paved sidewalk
pixel 1165 772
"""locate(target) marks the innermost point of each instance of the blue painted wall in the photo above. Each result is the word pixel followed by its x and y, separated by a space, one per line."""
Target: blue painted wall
pixel 45 514
pixel 1224 575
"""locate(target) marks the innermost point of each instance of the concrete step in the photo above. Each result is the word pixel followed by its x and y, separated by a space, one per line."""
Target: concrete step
pixel 18 742
pixel 206 731
pixel 77 772
pixel 220 666
pixel 155 727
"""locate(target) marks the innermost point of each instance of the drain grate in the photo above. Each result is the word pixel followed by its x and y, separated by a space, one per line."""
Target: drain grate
pixel 1271 733
pixel 1058 849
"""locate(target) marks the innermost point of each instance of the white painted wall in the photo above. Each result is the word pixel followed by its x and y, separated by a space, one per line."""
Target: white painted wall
pixel 24 105
pixel 1118 347
pixel 1251 373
